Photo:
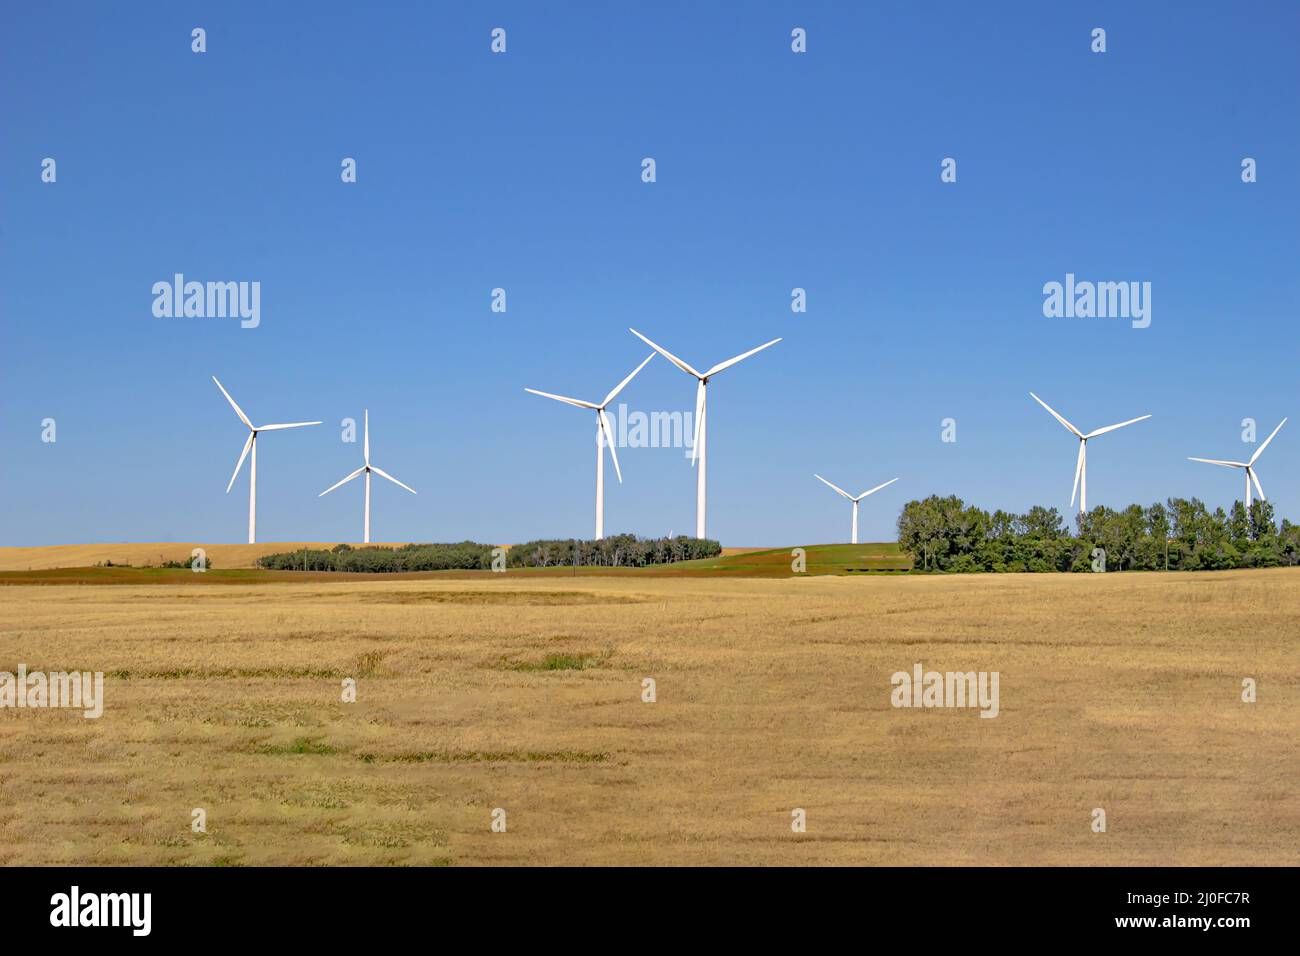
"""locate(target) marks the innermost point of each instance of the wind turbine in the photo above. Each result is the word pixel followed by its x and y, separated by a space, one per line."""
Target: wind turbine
pixel 698 449
pixel 251 445
pixel 1248 465
pixel 856 500
pixel 603 433
pixel 1081 467
pixel 366 469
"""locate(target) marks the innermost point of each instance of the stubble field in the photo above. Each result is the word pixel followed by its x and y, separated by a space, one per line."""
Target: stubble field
pixel 1117 691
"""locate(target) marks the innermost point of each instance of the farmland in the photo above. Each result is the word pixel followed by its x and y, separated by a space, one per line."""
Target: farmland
pixel 127 564
pixel 524 691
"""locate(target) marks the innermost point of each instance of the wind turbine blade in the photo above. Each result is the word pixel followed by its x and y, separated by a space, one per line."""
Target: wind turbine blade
pixel 1076 431
pixel 699 419
pixel 242 455
pixel 875 489
pixel 1260 450
pixel 620 386
pixel 609 441
pixel 1225 464
pixel 1258 487
pixel 576 402
pixel 1078 469
pixel 666 354
pixel 1111 428
pixel 271 428
pixel 343 482
pixel 383 474
pixel 238 411
pixel 367 441
pixel 834 487
pixel 739 358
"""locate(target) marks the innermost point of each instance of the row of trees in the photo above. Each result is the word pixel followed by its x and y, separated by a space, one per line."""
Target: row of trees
pixel 614 551
pixel 466 555
pixel 620 550
pixel 946 534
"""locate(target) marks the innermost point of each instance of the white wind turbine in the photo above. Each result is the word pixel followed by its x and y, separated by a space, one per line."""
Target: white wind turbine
pixel 1081 467
pixel 366 469
pixel 251 445
pixel 856 501
pixel 1248 465
pixel 698 449
pixel 603 434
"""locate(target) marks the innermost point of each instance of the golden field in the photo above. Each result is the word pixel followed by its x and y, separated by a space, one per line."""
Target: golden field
pixel 1119 691
pixel 142 554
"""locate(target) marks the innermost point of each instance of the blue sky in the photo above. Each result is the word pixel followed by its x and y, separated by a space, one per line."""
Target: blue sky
pixel 523 171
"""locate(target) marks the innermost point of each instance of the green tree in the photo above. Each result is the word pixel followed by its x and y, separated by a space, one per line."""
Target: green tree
pixel 1239 526
pixel 939 530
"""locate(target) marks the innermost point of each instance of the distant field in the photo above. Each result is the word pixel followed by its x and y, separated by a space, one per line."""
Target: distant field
pixel 523 691
pixel 141 554
pixel 741 562
pixel 777 562
pixel 224 556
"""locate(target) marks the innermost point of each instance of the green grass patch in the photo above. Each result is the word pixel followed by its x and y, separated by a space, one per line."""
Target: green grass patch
pixel 555 662
pixel 777 562
pixel 303 745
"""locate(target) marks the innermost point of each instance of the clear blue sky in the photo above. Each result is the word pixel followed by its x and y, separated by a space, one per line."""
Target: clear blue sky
pixel 522 171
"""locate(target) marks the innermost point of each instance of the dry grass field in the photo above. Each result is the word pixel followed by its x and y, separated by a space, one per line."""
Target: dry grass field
pixel 1119 691
pixel 142 554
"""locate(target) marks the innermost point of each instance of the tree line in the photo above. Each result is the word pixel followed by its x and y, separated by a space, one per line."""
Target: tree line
pixel 620 550
pixel 613 551
pixel 946 534
pixel 464 555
